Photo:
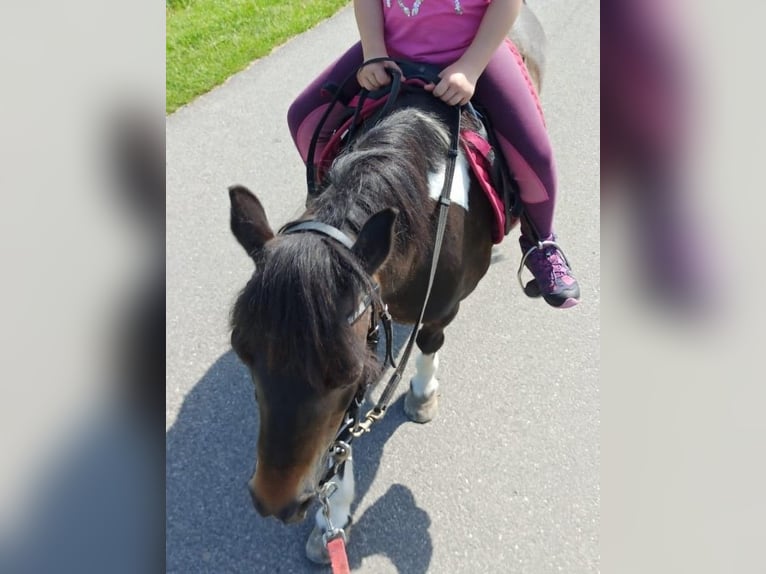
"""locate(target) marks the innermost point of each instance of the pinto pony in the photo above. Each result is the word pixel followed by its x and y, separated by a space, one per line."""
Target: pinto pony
pixel 301 323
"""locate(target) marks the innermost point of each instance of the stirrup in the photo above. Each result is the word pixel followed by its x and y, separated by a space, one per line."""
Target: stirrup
pixel 539 245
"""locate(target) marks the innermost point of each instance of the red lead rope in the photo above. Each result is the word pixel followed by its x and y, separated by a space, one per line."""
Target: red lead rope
pixel 336 548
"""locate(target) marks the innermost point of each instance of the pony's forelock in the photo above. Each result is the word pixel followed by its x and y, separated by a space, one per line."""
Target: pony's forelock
pixel 289 314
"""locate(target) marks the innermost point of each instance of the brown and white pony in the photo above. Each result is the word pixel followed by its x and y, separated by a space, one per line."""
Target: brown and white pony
pixel 290 323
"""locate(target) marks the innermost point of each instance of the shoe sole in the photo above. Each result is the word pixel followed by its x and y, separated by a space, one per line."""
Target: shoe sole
pixel 532 290
pixel 567 304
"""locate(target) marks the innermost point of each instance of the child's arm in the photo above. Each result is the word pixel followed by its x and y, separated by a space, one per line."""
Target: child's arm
pixel 369 21
pixel 459 79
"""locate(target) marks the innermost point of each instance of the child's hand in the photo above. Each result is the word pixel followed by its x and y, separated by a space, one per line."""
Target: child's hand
pixel 374 76
pixel 457 85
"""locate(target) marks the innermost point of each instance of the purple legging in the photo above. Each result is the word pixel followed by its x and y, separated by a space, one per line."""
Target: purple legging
pixel 506 92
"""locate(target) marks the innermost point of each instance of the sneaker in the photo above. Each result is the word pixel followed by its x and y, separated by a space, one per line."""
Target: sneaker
pixel 553 277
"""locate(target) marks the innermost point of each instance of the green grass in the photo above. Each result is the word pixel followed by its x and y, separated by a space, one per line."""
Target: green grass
pixel 209 40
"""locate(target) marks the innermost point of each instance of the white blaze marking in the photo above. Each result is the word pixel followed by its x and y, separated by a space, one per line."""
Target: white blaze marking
pixel 461 182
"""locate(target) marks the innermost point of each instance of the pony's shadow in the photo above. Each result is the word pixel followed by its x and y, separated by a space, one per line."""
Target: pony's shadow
pixel 394 525
pixel 211 524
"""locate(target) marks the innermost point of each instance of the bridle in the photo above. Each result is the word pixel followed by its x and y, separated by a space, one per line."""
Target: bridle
pixel 353 424
pixel 340 451
pixel 370 300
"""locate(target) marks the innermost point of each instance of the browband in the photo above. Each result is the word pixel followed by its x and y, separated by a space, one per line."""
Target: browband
pixel 319 227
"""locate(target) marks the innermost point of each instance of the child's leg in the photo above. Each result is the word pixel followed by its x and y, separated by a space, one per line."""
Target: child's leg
pixel 307 109
pixel 507 93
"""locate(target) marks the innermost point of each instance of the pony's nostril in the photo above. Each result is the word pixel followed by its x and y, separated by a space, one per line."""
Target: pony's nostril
pixel 295 511
pixel 259 507
pixel 288 511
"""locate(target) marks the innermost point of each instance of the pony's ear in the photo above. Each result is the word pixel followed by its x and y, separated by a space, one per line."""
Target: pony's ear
pixel 376 239
pixel 248 219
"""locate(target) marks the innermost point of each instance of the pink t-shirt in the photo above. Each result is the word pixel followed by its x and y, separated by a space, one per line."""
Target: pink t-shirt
pixel 431 31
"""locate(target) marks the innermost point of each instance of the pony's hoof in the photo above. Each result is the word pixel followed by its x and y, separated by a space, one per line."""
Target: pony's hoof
pixel 316 551
pixel 420 410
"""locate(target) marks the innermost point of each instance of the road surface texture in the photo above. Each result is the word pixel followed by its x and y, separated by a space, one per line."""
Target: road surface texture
pixel 506 478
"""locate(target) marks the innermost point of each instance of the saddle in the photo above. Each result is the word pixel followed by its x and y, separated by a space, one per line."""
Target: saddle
pixel 477 141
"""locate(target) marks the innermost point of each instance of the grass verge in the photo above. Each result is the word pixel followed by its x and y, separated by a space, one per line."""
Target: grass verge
pixel 209 40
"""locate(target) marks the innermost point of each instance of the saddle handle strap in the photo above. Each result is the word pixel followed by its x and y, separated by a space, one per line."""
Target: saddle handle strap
pixel 393 88
pixel 310 167
pixel 337 96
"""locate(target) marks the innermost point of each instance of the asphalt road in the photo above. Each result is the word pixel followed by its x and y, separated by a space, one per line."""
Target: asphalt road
pixel 506 478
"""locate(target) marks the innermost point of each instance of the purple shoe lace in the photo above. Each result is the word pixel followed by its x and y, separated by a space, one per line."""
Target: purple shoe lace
pixel 549 265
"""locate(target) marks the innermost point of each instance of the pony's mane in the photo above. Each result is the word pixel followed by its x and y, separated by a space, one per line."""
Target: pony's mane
pixel 289 310
pixel 387 166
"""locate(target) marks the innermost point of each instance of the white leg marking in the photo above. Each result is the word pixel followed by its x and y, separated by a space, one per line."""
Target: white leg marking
pixel 340 501
pixel 424 382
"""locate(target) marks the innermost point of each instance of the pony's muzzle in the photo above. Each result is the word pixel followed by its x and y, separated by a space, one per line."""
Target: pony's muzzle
pixel 288 512
pixel 260 508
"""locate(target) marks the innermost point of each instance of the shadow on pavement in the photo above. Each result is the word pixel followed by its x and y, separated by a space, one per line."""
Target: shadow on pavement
pixel 395 527
pixel 97 504
pixel 211 524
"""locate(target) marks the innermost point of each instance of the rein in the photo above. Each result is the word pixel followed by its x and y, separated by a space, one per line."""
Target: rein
pixel 377 412
pixel 353 426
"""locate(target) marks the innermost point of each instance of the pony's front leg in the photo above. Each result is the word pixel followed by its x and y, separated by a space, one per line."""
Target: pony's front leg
pixel 421 401
pixel 340 515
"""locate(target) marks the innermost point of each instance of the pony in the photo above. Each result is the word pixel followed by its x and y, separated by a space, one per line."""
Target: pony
pixel 300 325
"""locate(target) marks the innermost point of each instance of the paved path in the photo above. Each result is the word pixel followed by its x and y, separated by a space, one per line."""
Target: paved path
pixel 506 479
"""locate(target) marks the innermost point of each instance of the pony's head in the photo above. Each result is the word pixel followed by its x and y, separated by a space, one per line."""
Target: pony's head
pixel 291 328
